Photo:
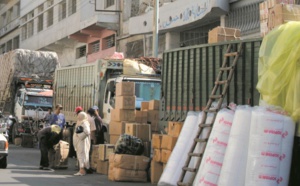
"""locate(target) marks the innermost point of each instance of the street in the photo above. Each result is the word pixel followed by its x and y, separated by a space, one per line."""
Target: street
pixel 23 170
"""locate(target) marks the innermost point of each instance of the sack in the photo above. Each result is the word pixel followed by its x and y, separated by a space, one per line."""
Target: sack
pixel 128 144
pixel 79 129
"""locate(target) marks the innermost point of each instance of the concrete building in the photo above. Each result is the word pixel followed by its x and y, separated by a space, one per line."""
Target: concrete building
pixel 72 28
pixel 82 31
pixel 9 25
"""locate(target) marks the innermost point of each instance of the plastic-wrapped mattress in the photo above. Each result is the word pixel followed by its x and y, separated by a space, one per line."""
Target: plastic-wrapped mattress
pixel 178 157
pixel 213 157
pixel 270 148
pixel 235 161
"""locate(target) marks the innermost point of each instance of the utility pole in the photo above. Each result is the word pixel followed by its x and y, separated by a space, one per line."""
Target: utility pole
pixel 155 29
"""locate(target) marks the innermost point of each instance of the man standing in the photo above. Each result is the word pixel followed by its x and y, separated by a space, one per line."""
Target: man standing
pixel 58 118
pixel 48 137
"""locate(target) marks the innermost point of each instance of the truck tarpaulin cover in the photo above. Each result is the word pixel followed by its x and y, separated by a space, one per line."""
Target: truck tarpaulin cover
pixel 24 63
pixel 279 68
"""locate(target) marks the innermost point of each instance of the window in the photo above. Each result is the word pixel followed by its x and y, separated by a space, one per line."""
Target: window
pixel 109 3
pixel 62 10
pixel 9 46
pixel 3 19
pixel 24 19
pixel 80 52
pixel 40 22
pixel 30 29
pixel 50 17
pixel 41 8
pixel 108 42
pixel 24 32
pixel 9 15
pixel 16 41
pixel 71 7
pixel 2 49
pixel 95 47
pixel 49 3
pixel 30 15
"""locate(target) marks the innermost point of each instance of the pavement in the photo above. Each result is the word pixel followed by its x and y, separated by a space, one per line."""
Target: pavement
pixel 23 170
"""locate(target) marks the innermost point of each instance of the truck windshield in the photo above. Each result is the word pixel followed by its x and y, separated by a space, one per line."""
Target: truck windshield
pixel 38 101
pixel 146 91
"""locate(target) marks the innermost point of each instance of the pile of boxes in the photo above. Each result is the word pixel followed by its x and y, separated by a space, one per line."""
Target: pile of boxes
pixel 123 167
pixel 222 34
pixel 277 12
pixel 124 110
pixel 162 149
pixel 100 157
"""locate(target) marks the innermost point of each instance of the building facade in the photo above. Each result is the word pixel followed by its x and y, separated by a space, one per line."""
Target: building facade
pixel 71 28
pixel 9 25
pixel 82 31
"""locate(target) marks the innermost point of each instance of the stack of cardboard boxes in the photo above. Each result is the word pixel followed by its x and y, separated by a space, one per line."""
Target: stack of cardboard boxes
pixel 163 146
pixel 141 131
pixel 221 34
pixel 124 110
pixel 123 167
pixel 100 157
pixel 152 109
pixel 277 12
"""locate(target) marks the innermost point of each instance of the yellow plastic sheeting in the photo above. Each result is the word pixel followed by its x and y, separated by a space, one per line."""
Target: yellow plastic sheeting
pixel 279 68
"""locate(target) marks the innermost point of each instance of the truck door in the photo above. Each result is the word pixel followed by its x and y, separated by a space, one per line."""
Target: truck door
pixel 109 100
pixel 19 105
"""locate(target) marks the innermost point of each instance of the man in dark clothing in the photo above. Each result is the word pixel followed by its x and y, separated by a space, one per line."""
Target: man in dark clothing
pixel 48 137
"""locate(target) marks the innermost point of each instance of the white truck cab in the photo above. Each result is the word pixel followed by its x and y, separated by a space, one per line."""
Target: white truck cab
pixel 146 89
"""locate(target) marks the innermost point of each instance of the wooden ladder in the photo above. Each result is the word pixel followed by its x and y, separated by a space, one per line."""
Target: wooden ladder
pixel 228 67
pixel 5 92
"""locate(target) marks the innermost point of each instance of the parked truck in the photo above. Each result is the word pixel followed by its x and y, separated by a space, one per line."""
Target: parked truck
pixel 94 84
pixel 26 79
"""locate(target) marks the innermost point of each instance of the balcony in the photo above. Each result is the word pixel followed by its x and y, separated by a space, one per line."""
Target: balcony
pixel 180 14
pixel 9 27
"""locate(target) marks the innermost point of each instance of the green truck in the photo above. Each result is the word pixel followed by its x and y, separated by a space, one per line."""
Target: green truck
pixel 188 76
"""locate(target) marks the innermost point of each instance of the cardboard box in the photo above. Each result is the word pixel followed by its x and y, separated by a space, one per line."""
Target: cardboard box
pixel 125 102
pixel 113 138
pixel 281 14
pixel 174 128
pixel 156 141
pixel 154 126
pixel 18 141
pixel 147 148
pixel 129 175
pixel 153 105
pixel 156 171
pixel 122 115
pixel 157 155
pixel 144 106
pixel 117 127
pixel 142 131
pixel 125 89
pixel 168 142
pixel 153 115
pixel 111 167
pixel 102 167
pixel 130 162
pixel 105 150
pixel 94 161
pixel 141 116
pixel 165 154
pixel 220 34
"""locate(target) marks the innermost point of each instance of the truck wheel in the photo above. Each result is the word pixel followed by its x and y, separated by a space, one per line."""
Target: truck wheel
pixel 3 163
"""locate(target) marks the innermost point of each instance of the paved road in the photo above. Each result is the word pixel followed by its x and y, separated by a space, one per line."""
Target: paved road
pixel 23 170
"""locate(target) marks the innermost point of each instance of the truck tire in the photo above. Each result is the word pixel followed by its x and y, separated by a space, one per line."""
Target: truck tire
pixel 3 163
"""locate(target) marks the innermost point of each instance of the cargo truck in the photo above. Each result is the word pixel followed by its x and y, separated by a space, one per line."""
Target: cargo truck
pixel 94 84
pixel 26 79
pixel 188 76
